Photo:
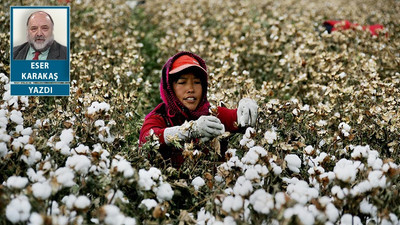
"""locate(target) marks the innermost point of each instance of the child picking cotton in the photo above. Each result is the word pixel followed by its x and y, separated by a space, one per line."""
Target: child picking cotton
pixel 184 113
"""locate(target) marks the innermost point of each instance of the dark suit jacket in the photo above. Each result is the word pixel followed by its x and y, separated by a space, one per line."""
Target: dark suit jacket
pixel 56 51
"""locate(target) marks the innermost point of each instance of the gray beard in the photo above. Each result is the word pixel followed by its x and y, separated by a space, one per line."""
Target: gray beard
pixel 41 47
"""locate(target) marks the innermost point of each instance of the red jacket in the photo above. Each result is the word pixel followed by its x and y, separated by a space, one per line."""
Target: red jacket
pixel 158 122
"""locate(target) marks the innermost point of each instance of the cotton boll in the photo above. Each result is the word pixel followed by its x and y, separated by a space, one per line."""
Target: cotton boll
pixel 332 212
pixel 242 187
pixel 348 219
pixel 262 170
pixel 367 208
pixel 345 170
pixel 359 152
pixel 247 139
pixel 321 123
pixel 35 176
pixel 17 182
pixel 105 135
pixel 54 210
pixel 204 217
pixel 280 199
pixel 276 169
pixel 374 162
pixel 113 196
pixel 198 182
pixel 228 191
pixel 147 178
pixel 4 137
pixel 148 203
pixel 218 179
pixel 24 139
pixel 31 156
pixel 36 219
pixel 336 190
pixel 27 131
pixel 301 192
pixel 231 203
pixel 123 166
pixel 305 216
pixel 3 78
pixel 67 136
pixel 82 149
pixel 82 202
pixel 69 201
pixel 394 218
pixel 16 117
pixel 270 136
pixel 305 108
pixel 155 173
pixel 129 221
pixel 18 129
pixel 16 145
pixel 164 192
pixel 229 220
pixel 293 162
pixel 3 118
pixel 64 149
pixel 235 162
pixel 97 107
pixel 79 163
pixel 309 150
pixel 345 129
pixel 377 179
pixel 251 157
pixel 251 174
pixel 18 210
pixel 61 219
pixel 65 176
pixel 112 215
pixel 330 175
pixel 41 191
pixel 262 201
pixel 99 123
pixel 3 149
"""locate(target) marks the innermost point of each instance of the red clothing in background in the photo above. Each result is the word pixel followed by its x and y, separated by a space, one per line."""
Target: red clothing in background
pixel 333 25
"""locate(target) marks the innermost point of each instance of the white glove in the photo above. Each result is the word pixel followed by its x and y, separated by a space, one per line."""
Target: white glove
pixel 247 112
pixel 206 127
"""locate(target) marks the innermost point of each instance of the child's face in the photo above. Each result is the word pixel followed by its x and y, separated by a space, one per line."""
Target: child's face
pixel 188 90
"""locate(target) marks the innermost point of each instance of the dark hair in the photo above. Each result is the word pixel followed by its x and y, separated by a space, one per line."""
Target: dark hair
pixel 51 19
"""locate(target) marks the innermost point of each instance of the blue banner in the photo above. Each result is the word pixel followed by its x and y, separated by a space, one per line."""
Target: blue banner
pixel 40 89
pixel 40 71
pixel 39 77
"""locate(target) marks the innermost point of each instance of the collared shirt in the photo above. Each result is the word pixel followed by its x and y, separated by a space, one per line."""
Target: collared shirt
pixel 31 54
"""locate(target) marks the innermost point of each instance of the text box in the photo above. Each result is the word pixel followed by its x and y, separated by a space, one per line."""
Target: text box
pixel 40 89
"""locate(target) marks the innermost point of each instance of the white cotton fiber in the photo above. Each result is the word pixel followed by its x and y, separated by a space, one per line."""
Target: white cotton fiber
pixel 293 162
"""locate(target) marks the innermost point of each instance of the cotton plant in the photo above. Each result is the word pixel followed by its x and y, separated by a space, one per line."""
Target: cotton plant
pixel 311 94
pixel 152 179
pixel 105 130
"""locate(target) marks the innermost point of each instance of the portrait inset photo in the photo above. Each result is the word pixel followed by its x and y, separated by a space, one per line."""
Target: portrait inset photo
pixel 40 34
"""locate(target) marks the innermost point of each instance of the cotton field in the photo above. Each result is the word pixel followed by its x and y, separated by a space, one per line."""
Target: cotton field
pixel 325 148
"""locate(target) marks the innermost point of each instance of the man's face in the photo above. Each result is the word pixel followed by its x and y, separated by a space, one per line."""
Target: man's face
pixel 40 31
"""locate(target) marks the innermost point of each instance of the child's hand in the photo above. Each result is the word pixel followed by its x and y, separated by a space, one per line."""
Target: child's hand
pixel 247 112
pixel 207 126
